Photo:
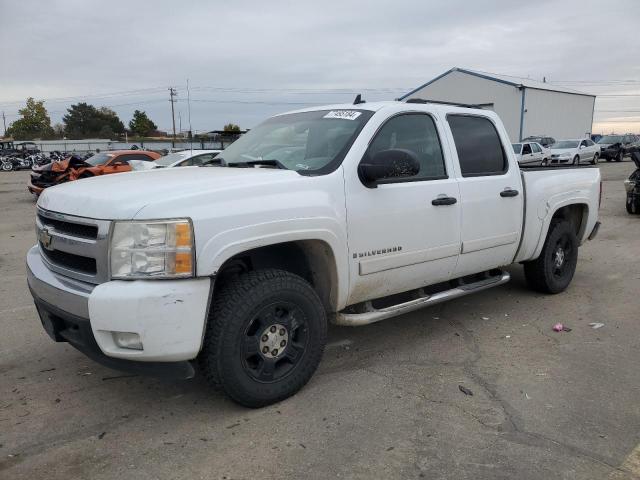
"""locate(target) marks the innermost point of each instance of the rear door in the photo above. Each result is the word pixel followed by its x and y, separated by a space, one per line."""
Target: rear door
pixel 492 203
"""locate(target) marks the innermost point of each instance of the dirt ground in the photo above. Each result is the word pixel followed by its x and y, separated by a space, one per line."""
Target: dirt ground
pixel 385 402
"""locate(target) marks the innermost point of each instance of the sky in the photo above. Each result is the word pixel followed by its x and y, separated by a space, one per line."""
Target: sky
pixel 247 60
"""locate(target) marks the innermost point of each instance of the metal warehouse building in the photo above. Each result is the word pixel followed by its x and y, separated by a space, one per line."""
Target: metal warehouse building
pixel 526 107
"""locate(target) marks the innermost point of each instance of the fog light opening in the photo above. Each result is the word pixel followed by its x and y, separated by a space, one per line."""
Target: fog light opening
pixel 127 340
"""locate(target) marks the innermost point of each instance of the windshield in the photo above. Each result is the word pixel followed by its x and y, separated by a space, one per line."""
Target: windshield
pixel 608 139
pixel 305 142
pixel 170 159
pixel 516 147
pixel 99 159
pixel 565 144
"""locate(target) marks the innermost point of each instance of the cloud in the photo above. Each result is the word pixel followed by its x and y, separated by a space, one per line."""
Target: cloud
pixel 281 53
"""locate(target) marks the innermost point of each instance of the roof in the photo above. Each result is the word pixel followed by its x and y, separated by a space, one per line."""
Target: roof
pixel 506 79
pixel 123 152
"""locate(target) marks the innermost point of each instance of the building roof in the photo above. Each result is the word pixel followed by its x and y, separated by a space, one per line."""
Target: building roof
pixel 506 79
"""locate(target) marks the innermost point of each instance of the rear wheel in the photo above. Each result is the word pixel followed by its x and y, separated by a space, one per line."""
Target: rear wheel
pixel 265 337
pixel 7 166
pixel 553 270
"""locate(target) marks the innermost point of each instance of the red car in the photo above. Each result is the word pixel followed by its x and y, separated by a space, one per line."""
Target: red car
pixel 55 173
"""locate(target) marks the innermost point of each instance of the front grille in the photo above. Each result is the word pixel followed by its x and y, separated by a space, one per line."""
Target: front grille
pixel 76 247
pixel 69 260
pixel 68 228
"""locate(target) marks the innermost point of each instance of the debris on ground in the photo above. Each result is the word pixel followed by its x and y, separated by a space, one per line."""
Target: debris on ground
pixel 465 390
pixel 485 318
pixel 559 327
pixel 596 325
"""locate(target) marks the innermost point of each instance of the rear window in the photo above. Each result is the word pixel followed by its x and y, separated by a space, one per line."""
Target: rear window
pixel 478 145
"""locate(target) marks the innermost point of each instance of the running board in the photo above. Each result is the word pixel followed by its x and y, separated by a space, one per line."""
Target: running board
pixel 372 314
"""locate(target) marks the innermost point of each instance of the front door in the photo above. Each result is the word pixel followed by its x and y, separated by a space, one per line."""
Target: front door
pixel 492 203
pixel 405 233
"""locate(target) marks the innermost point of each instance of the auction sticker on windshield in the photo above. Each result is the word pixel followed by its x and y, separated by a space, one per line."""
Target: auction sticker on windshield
pixel 343 114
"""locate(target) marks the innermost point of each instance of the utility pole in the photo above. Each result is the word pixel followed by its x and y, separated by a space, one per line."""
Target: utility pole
pixel 4 122
pixel 172 94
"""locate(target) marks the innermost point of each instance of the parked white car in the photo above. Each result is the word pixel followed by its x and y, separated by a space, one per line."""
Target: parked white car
pixel 530 153
pixel 574 151
pixel 186 158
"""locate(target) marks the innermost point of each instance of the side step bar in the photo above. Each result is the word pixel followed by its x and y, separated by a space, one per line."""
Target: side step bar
pixel 373 314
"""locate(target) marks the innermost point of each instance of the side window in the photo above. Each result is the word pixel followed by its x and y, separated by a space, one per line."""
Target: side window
pixel 583 143
pixel 590 143
pixel 526 149
pixel 536 148
pixel 201 159
pixel 478 145
pixel 131 156
pixel 416 132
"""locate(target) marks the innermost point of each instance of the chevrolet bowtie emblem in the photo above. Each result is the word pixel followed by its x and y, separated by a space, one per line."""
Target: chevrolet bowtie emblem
pixel 45 238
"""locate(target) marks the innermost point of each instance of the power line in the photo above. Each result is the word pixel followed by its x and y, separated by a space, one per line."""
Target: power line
pixel 124 93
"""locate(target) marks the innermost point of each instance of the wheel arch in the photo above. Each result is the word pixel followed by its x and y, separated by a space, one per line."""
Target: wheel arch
pixel 312 259
pixel 577 213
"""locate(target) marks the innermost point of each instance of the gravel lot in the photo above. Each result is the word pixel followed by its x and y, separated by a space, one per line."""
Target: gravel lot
pixel 385 402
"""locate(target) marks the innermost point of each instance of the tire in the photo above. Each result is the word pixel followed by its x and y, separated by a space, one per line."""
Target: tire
pixel 7 166
pixel 576 160
pixel 251 311
pixel 544 163
pixel 620 156
pixel 550 272
pixel 595 159
pixel 632 207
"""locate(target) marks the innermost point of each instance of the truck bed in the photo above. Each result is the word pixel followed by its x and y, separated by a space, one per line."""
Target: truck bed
pixel 546 190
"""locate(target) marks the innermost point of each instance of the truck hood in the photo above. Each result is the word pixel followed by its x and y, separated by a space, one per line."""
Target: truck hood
pixel 165 191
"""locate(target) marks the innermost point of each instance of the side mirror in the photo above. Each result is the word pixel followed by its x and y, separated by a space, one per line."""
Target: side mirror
pixel 392 163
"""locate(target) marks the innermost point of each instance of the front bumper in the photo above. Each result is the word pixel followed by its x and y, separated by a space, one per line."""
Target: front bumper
pixel 169 317
pixel 34 189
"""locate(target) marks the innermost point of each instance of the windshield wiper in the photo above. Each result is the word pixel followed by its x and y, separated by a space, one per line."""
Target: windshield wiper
pixel 250 163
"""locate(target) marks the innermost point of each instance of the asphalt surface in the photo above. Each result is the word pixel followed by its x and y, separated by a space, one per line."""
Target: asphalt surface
pixel 385 402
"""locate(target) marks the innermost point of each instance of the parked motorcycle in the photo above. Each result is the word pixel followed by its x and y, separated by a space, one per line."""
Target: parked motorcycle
pixel 632 186
pixel 17 162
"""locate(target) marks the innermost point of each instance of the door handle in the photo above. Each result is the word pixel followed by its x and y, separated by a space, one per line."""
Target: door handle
pixel 509 192
pixel 443 201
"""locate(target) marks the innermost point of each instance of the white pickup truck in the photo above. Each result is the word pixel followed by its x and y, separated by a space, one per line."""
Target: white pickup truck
pixel 353 213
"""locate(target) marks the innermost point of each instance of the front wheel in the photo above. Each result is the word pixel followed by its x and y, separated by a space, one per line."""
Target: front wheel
pixel 595 159
pixel 265 337
pixel 620 156
pixel 576 160
pixel 553 270
pixel 7 166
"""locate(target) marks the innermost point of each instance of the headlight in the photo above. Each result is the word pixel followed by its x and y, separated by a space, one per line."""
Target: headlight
pixel 152 249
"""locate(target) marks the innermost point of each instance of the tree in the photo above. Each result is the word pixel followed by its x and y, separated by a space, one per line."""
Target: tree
pixel 231 128
pixel 141 125
pixel 85 121
pixel 35 122
pixel 58 130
